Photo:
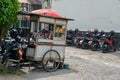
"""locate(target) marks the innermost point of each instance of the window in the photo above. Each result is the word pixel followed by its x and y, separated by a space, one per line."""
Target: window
pixel 59 32
pixel 46 31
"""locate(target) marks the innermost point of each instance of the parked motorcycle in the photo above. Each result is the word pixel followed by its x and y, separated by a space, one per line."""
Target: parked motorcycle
pixel 13 47
pixel 108 44
pixel 15 51
pixel 85 43
pixel 78 42
pixel 5 43
pixel 70 38
pixel 95 45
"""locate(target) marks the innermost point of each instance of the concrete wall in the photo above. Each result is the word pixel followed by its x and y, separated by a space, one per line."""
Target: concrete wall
pixel 90 14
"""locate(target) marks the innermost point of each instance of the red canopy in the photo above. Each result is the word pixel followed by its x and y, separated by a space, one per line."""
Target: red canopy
pixel 47 12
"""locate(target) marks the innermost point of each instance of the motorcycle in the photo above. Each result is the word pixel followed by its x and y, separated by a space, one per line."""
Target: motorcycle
pixel 85 43
pixel 108 44
pixel 70 40
pixel 16 51
pixel 95 45
pixel 5 43
pixel 78 42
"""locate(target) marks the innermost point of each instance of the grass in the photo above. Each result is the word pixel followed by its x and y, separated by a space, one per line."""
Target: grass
pixel 17 72
pixel 4 71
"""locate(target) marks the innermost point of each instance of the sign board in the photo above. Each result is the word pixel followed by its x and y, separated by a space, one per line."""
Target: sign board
pixel 47 20
pixel 61 22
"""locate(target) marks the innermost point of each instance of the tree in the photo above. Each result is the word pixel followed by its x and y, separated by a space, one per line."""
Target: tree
pixel 8 14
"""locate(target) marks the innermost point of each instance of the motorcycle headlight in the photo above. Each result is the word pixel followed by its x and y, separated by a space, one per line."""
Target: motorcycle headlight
pixel 81 41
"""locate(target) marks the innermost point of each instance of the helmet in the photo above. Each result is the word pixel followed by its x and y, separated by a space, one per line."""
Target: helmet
pixel 76 30
pixel 102 32
pixel 112 32
pixel 95 30
pixel 13 33
pixel 70 31
pixel 89 31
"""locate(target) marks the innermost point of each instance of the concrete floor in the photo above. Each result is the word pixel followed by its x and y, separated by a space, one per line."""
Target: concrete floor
pixel 84 65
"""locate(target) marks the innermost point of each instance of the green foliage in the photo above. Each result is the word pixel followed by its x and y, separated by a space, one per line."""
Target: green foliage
pixel 3 70
pixel 17 72
pixel 8 12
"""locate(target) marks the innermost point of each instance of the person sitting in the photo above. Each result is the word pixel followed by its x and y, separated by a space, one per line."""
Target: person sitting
pixel 44 33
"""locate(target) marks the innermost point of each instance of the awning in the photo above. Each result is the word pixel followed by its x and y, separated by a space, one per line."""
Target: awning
pixel 47 12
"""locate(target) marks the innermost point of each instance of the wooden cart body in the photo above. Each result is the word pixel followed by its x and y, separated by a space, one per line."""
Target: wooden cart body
pixel 53 42
pixel 36 54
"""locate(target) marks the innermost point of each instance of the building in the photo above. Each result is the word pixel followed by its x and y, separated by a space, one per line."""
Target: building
pixel 90 14
pixel 28 6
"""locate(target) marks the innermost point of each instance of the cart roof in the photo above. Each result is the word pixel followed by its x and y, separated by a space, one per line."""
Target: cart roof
pixel 41 15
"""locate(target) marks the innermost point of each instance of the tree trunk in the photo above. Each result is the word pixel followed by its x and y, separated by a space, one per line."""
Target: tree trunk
pixel 3 31
pixel 0 33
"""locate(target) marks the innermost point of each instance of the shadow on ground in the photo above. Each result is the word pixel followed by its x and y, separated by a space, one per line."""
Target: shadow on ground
pixel 35 74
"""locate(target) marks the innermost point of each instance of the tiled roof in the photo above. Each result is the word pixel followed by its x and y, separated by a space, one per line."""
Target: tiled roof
pixel 30 1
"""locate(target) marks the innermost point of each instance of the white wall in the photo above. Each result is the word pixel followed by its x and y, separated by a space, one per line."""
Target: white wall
pixel 90 14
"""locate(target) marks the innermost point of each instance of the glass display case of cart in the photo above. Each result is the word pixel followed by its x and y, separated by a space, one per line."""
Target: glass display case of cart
pixel 48 30
pixel 45 33
pixel 59 32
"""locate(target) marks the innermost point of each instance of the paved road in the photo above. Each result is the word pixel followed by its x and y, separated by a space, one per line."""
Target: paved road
pixel 84 65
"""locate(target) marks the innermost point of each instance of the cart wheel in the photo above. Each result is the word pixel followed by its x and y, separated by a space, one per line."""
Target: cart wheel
pixel 37 65
pixel 51 60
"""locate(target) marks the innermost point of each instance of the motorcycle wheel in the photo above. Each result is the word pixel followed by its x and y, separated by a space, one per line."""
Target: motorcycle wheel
pixel 94 46
pixel 104 48
pixel 84 45
pixel 77 44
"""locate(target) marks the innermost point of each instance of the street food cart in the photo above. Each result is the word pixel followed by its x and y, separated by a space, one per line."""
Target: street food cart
pixel 47 41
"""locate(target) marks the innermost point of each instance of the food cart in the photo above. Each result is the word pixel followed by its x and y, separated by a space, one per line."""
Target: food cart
pixel 47 41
